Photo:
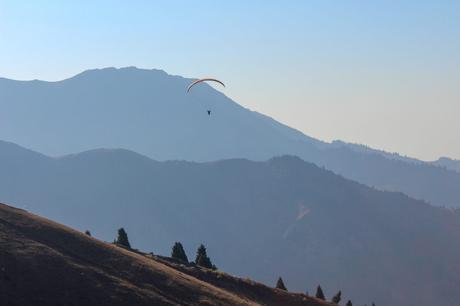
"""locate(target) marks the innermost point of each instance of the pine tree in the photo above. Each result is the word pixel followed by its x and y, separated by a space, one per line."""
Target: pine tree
pixel 320 294
pixel 336 299
pixel 88 233
pixel 349 303
pixel 280 284
pixel 123 238
pixel 202 259
pixel 178 252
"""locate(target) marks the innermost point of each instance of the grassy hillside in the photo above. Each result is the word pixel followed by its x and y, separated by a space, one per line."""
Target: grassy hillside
pixel 45 263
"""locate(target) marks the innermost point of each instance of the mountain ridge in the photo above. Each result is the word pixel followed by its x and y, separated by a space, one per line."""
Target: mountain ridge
pixel 149 112
pixel 448 163
pixel 281 217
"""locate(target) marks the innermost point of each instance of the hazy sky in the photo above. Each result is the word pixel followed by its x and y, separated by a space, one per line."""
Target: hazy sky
pixel 381 73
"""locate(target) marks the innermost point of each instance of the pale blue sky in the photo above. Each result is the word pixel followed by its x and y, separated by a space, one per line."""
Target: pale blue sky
pixel 381 73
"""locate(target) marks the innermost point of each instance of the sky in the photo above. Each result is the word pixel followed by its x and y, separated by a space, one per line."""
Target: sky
pixel 381 73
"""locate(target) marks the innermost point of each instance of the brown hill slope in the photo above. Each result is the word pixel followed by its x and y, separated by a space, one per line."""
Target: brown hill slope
pixel 45 263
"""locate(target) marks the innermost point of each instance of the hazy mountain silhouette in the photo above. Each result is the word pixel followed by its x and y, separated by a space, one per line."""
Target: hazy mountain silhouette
pixel 444 162
pixel 149 111
pixel 366 149
pixel 261 219
pixel 448 163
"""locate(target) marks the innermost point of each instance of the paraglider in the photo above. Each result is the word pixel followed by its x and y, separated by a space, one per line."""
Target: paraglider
pixel 204 80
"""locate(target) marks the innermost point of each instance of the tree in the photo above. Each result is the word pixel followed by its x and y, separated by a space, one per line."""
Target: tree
pixel 123 238
pixel 88 233
pixel 178 252
pixel 373 304
pixel 320 294
pixel 280 284
pixel 349 303
pixel 202 259
pixel 336 299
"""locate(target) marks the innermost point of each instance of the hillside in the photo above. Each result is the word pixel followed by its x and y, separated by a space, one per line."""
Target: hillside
pixel 149 112
pixel 282 217
pixel 45 263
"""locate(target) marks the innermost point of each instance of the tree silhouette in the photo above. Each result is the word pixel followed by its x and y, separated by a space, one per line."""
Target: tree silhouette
pixel 320 294
pixel 202 258
pixel 178 252
pixel 88 233
pixel 123 238
pixel 280 284
pixel 336 299
pixel 349 303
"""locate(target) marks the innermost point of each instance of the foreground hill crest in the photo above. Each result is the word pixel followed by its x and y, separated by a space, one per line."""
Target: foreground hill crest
pixel 45 263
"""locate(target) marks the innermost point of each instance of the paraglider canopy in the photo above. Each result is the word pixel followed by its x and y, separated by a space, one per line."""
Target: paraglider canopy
pixel 204 80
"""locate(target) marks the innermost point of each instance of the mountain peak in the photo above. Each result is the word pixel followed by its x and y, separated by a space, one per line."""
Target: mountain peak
pixel 113 71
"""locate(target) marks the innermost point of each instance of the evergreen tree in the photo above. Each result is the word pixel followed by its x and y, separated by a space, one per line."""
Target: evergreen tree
pixel 178 252
pixel 123 238
pixel 320 294
pixel 280 284
pixel 88 233
pixel 349 303
pixel 202 259
pixel 336 299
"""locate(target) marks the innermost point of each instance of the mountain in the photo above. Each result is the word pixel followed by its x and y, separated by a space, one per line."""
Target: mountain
pixel 281 217
pixel 45 263
pixel 368 150
pixel 149 111
pixel 444 162
pixel 448 163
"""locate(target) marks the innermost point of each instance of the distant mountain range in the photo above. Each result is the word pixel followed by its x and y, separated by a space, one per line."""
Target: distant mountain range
pixel 149 111
pixel 444 162
pixel 45 263
pixel 282 217
pixel 448 163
